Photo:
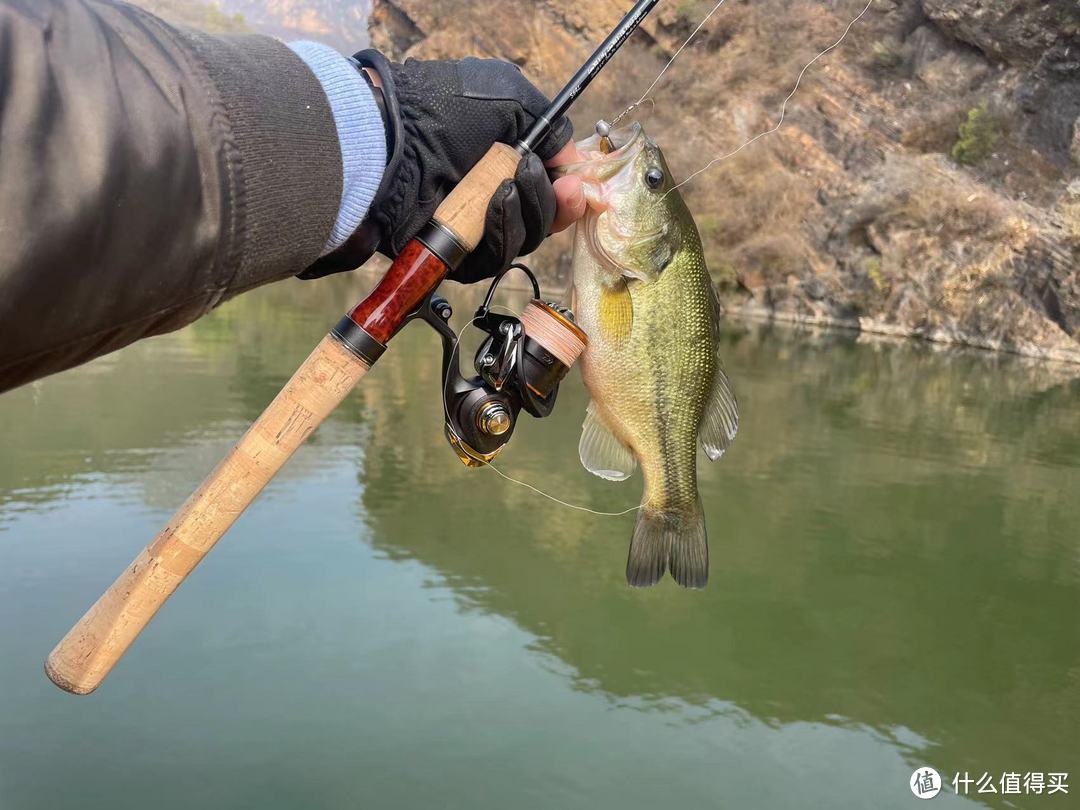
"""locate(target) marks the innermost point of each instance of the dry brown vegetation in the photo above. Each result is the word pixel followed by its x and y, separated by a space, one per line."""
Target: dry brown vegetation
pixel 858 208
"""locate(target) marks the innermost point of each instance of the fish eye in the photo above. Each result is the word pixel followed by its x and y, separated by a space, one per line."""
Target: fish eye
pixel 654 178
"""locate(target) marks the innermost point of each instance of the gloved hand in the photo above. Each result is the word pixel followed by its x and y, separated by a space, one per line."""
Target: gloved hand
pixel 441 118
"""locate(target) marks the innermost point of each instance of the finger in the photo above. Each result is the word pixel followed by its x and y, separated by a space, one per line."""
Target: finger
pixel 568 154
pixel 504 233
pixel 558 138
pixel 512 224
pixel 569 202
pixel 538 202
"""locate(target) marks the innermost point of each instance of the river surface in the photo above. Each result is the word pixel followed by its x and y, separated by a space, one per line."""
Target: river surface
pixel 895 583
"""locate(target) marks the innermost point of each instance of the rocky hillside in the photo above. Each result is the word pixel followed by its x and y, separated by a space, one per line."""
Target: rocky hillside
pixel 925 182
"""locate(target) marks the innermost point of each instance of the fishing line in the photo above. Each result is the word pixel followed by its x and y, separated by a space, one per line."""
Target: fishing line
pixel 783 106
pixel 454 358
pixel 563 503
pixel 670 61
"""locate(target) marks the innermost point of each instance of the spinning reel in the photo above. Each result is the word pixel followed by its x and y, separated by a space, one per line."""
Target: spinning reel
pixel 519 366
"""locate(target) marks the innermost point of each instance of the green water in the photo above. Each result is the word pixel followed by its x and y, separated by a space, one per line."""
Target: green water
pixel 895 582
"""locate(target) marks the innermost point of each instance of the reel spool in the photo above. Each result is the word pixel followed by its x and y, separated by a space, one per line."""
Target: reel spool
pixel 519 366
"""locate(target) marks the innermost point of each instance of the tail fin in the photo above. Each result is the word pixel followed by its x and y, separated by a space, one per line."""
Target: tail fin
pixel 670 540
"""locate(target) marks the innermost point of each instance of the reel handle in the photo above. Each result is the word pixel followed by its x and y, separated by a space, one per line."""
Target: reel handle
pixel 90 650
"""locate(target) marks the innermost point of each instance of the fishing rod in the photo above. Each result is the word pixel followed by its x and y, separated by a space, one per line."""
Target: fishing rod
pixel 518 368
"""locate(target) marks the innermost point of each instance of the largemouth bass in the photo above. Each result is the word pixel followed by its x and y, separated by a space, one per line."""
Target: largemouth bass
pixel 644 297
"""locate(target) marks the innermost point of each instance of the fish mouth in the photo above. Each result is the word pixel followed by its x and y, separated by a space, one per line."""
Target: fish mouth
pixel 597 165
pixel 596 168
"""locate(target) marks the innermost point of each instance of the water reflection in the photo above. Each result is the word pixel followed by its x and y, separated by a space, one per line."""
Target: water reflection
pixel 893 541
pixel 893 534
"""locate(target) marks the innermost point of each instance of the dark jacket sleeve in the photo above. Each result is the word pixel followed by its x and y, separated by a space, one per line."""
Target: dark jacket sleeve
pixel 147 173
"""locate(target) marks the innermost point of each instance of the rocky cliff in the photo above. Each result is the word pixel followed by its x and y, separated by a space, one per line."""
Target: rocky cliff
pixel 925 181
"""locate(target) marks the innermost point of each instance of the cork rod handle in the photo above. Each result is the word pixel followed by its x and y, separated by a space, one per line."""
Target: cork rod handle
pixel 83 658
pixel 465 208
pixel 86 655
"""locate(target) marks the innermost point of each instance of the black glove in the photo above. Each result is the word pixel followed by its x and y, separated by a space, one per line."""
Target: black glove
pixel 441 118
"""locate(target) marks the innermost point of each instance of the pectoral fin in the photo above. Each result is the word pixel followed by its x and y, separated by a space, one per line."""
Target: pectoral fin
pixel 601 452
pixel 720 421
